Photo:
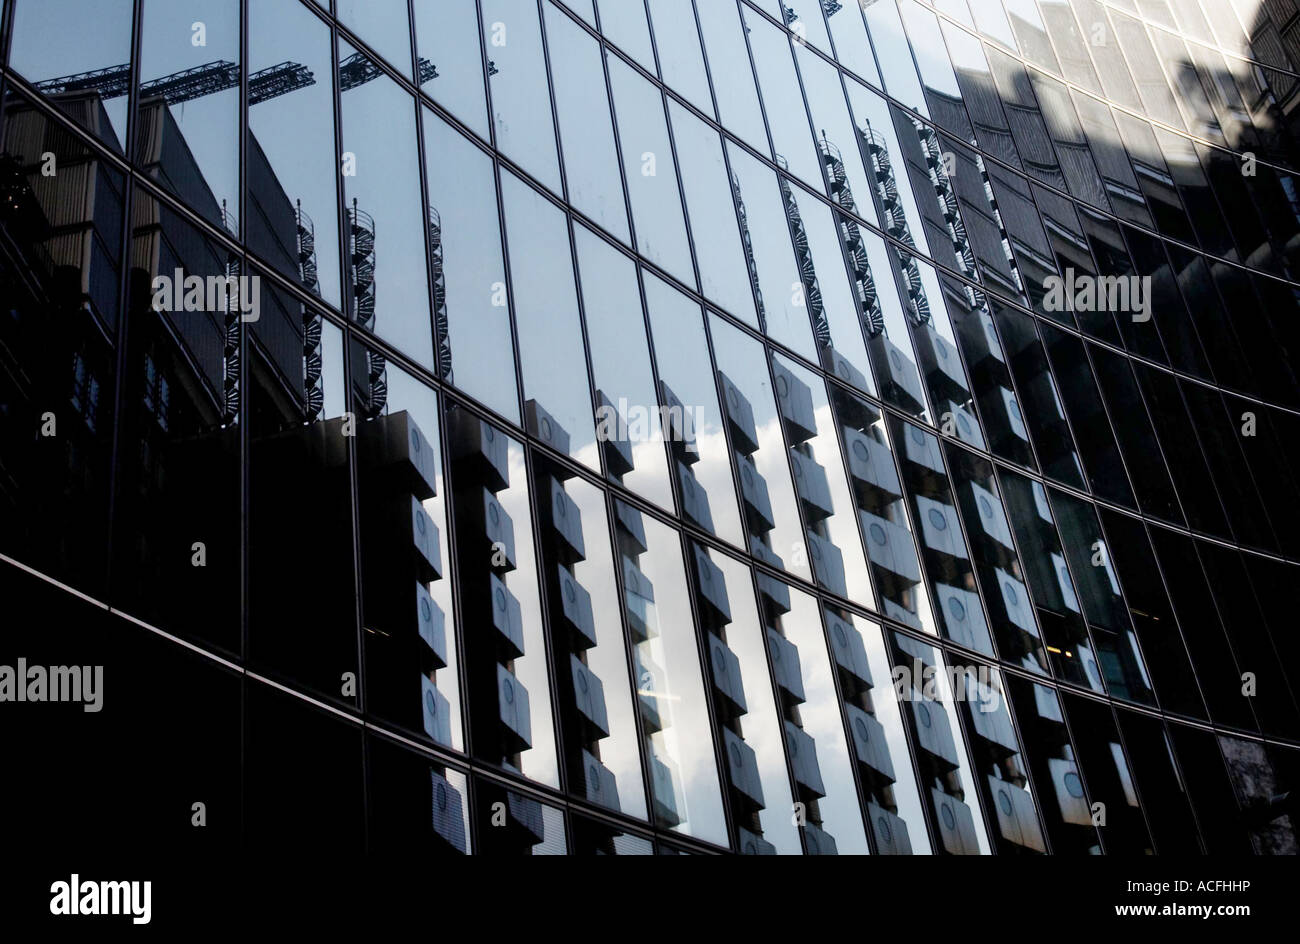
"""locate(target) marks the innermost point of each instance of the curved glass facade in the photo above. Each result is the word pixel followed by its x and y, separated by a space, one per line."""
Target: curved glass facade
pixel 635 426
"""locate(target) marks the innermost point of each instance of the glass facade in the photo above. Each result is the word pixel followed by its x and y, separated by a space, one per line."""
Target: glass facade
pixel 657 426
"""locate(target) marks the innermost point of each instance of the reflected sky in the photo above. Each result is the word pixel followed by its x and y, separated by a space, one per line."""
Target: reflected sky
pixel 546 314
pixel 379 131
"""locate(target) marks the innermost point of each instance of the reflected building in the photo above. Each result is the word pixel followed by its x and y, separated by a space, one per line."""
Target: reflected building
pixel 682 398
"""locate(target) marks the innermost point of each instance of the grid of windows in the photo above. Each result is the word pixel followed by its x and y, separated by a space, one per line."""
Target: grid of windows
pixel 786 427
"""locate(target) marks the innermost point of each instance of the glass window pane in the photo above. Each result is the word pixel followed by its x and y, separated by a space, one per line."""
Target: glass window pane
pixel 58 39
pixel 723 259
pixel 894 809
pixel 409 616
pixel 923 683
pixel 403 786
pixel 521 102
pixel 1130 553
pixel 189 138
pixel 944 545
pixel 387 227
pixel 882 512
pixel 772 518
pixel 814 727
pixel 1001 770
pixel 586 130
pixel 1050 585
pixel 852 47
pixel 302 607
pixel 698 445
pixel 744 705
pixel 628 422
pixel 597 704
pixel 557 397
pixel 890 42
pixel 733 77
pixel 625 24
pixel 513 824
pixel 670 688
pixel 447 35
pixel 506 677
pixel 997 563
pixel 1063 801
pixel 178 492
pixel 681 58
pixel 834 546
pixel 1168 808
pixel 471 313
pixel 1089 556
pixel 827 292
pixel 292 217
pixel 786 116
pixel 383 24
pixel 1110 782
pixel 782 306
pixel 650 172
pixel 62 296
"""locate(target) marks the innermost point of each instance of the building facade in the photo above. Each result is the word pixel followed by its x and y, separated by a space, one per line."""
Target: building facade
pixel 654 426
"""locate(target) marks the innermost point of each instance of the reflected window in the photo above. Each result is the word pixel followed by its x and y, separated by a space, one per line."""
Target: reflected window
pixel 629 423
pixel 1068 814
pixel 825 788
pixel 833 544
pixel 1069 650
pixel 944 545
pixel 881 510
pixel 733 78
pixel 746 712
pixel 1110 782
pixel 681 58
pixel 598 714
pixel 1101 600
pixel 383 24
pixel 409 620
pixel 773 525
pixel 786 116
pixel 895 815
pixel 669 686
pixel 505 660
pixel 690 417
pixel 1002 772
pixel 773 267
pixel 513 823
pixel 997 563
pixel 925 689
